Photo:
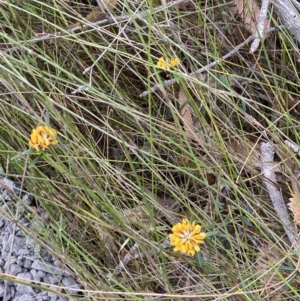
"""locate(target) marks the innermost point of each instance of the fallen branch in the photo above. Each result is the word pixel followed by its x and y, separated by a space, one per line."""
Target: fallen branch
pixel 263 15
pixel 267 168
pixel 288 12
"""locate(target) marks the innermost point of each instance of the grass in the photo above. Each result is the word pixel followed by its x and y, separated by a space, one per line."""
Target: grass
pixel 126 169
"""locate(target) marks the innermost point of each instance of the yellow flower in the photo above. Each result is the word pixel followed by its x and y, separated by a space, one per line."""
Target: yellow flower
pixel 163 64
pixel 166 63
pixel 42 137
pixel 175 61
pixel 186 237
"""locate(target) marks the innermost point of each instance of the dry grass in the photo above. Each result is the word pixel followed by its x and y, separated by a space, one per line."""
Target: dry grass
pixel 126 169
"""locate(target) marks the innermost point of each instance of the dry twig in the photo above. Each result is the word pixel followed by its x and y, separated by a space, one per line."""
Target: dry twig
pixel 267 168
pixel 208 66
pixel 288 12
pixel 263 15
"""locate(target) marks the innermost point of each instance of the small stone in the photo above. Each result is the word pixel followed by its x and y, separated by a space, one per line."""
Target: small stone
pixel 27 276
pixel 2 223
pixel 27 263
pixel 69 282
pixel 9 261
pixel 19 243
pixel 50 279
pixel 11 228
pixel 41 266
pixel 23 251
pixel 12 291
pixel 15 269
pixel 37 275
pixel 25 297
pixel 20 261
pixel 63 298
pixel 27 198
pixel 53 295
pixel 6 242
pixel 2 289
pixel 44 296
pixel 24 289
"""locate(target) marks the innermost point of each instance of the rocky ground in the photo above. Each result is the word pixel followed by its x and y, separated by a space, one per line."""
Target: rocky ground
pixel 21 257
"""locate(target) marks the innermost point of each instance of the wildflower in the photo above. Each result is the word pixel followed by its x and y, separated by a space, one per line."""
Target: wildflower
pixel 186 237
pixel 175 61
pixel 42 137
pixel 163 64
pixel 166 63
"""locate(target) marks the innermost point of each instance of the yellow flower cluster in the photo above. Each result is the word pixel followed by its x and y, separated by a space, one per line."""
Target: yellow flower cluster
pixel 42 137
pixel 186 237
pixel 166 63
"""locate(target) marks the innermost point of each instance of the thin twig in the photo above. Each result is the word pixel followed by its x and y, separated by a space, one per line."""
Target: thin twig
pixel 210 65
pixel 267 168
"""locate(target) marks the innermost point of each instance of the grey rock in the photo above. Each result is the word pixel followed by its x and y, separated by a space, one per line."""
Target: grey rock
pixel 11 228
pixel 3 256
pixel 25 297
pixel 41 266
pixel 23 251
pixel 25 289
pixel 69 282
pixel 2 223
pixel 20 260
pixel 26 276
pixel 15 269
pixel 2 289
pixel 37 275
pixel 18 244
pixel 6 242
pixel 9 260
pixel 27 263
pixel 24 257
pixel 27 198
pixel 51 279
pixel 12 291
pixel 53 295
pixel 47 257
pixel 44 296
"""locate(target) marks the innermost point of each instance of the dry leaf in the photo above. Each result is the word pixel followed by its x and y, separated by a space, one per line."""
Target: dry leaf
pixel 186 114
pixel 294 204
pixel 249 11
